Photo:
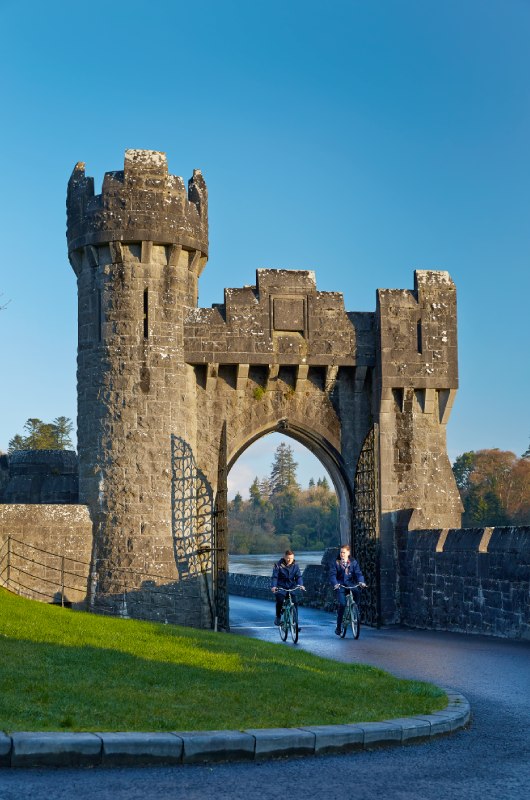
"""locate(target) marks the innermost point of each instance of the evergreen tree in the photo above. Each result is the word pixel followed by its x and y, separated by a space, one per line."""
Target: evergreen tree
pixel 63 428
pixel 483 509
pixel 255 493
pixel 16 443
pixel 237 503
pixel 462 469
pixel 43 435
pixel 265 488
pixel 284 503
pixel 283 471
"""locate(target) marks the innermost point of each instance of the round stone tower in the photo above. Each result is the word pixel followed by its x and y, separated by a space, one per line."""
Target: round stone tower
pixel 137 250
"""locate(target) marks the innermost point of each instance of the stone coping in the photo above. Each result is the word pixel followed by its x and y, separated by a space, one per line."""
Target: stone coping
pixel 50 749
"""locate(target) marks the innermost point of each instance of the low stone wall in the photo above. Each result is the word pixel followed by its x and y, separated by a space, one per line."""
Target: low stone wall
pixel 319 593
pixel 256 586
pixel 40 476
pixel 475 580
pixel 45 551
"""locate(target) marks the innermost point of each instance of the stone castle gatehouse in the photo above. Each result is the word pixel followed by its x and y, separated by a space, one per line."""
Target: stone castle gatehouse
pixel 170 395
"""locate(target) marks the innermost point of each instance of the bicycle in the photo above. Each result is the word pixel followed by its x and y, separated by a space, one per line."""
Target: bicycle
pixel 351 617
pixel 289 618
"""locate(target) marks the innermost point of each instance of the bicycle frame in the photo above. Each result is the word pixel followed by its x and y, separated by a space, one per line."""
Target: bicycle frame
pixel 289 618
pixel 351 617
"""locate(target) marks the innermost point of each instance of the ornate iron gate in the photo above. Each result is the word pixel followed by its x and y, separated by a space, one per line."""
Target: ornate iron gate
pixel 192 517
pixel 366 524
pixel 221 589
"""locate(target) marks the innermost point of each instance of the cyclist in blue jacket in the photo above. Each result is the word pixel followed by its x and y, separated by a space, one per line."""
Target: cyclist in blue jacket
pixel 285 575
pixel 345 571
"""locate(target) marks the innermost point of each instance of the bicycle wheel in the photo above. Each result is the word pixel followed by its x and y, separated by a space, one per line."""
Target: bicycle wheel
pixel 294 624
pixel 355 621
pixel 345 622
pixel 284 625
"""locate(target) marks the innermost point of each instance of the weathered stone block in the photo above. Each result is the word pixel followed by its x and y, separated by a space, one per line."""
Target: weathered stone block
pixel 282 742
pixel 336 738
pixel 141 748
pixel 55 749
pixel 217 746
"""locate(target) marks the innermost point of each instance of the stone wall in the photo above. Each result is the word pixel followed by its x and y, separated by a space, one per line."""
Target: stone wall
pixel 319 593
pixel 475 580
pixel 45 551
pixel 256 586
pixel 4 473
pixel 39 476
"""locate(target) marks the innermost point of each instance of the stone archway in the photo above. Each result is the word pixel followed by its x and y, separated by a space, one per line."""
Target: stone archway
pixel 329 458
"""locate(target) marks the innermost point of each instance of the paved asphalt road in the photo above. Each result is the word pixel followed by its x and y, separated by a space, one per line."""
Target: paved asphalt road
pixel 490 760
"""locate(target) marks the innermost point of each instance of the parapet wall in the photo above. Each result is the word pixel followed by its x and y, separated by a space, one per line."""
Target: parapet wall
pixel 283 319
pixel 39 476
pixel 474 580
pixel 142 202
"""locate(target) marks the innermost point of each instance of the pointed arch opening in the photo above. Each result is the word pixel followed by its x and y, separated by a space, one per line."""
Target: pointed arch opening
pixel 286 489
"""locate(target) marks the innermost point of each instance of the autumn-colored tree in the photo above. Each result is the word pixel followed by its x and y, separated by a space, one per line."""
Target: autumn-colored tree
pixel 494 486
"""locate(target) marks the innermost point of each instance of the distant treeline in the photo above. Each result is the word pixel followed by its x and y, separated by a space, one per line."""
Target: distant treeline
pixel 494 486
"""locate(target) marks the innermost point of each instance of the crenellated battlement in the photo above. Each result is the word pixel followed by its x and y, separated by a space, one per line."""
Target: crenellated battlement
pixel 281 319
pixel 142 202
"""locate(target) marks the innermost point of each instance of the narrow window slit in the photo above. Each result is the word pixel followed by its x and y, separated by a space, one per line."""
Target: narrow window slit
pixel 146 314
pixel 419 336
pixel 99 315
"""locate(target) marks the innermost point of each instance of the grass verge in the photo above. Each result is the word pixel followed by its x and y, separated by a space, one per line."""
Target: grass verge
pixel 68 670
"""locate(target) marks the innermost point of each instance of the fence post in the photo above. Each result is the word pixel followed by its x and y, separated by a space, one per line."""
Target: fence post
pixel 62 581
pixel 8 561
pixel 124 600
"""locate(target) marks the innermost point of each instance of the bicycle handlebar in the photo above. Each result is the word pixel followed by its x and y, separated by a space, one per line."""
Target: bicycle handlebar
pixel 355 586
pixel 284 591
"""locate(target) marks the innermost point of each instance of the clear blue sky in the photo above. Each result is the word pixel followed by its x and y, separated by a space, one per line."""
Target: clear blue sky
pixel 359 139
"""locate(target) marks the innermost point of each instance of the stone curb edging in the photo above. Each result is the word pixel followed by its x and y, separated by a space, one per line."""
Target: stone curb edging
pixel 50 749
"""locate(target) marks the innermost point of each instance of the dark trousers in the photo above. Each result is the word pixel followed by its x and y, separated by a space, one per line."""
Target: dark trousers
pixel 280 597
pixel 341 600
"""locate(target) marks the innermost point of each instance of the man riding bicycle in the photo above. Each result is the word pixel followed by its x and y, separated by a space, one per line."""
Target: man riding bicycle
pixel 345 572
pixel 285 575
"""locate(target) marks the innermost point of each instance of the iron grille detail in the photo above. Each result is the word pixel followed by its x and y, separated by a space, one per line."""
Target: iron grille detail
pixel 192 516
pixel 221 588
pixel 366 525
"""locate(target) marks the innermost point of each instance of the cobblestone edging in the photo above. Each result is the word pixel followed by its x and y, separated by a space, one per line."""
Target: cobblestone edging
pixel 253 744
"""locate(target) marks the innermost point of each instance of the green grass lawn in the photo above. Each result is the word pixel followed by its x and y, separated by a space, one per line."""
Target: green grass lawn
pixel 69 670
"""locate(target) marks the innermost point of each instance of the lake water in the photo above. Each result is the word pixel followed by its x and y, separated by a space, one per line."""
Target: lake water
pixel 262 563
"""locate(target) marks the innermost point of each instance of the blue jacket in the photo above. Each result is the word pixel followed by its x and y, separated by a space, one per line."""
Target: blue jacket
pixel 286 577
pixel 347 575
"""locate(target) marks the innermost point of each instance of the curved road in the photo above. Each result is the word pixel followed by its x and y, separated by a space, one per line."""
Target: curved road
pixel 490 760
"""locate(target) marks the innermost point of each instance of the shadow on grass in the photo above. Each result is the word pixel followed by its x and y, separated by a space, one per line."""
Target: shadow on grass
pixel 53 687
